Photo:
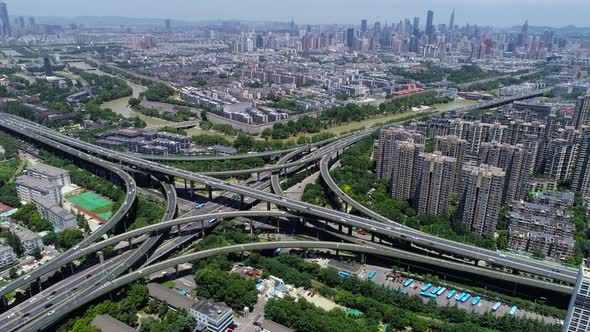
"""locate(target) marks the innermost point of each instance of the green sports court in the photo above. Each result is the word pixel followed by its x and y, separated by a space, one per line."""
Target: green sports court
pixel 91 202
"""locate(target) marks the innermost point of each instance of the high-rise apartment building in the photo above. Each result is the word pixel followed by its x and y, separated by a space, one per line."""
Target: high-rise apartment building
pixel 350 35
pixel 581 179
pixel 430 27
pixel 515 160
pixel 405 176
pixel 363 27
pixel 482 198
pixel 383 153
pixel 582 115
pixel 559 159
pixel 452 146
pixel 437 182
pixel 578 314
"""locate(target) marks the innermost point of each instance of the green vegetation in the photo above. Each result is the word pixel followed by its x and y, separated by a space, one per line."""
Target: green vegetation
pixel 230 288
pixel 218 165
pixel 110 88
pixel 29 217
pixel 304 316
pixel 582 235
pixel 286 267
pixel 11 240
pixel 150 210
pixel 159 92
pixel 351 113
pixel 221 128
pixel 505 81
pixel 179 116
pixel 430 74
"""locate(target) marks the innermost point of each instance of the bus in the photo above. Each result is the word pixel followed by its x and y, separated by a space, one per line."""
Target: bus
pixel 496 306
pixel 426 287
pixel 476 300
pixel 436 289
pixel 513 311
pixel 426 294
pixel 277 251
pixel 372 274
pixel 200 206
pixel 440 291
pixel 344 274
pixel 453 292
pixel 408 282
pixel 459 297
pixel 465 298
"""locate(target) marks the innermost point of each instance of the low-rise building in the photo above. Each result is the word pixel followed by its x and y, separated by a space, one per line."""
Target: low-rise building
pixel 28 239
pixel 55 214
pixel 532 242
pixel 52 174
pixel 106 323
pixel 7 256
pixel 28 187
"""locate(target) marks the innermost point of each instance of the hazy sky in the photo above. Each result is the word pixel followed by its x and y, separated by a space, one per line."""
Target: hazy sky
pixel 483 12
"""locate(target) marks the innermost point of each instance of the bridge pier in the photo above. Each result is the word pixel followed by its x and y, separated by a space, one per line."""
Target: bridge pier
pixel 192 189
pixel 242 202
pixel 340 228
pixel 176 268
pixel 372 237
pixel 209 192
pixel 101 256
pixel 258 176
pixel 268 206
pixel 349 230
pixel 363 259
pixel 184 184
pixel 202 228
pixel 178 229
pixel 251 227
pixel 39 284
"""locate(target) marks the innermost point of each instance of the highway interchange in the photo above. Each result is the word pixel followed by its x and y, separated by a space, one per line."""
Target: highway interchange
pixel 254 191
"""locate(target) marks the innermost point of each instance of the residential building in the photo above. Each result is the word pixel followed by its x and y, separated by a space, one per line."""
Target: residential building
pixel 213 316
pixel 55 214
pixel 405 165
pixel 28 239
pixel 581 178
pixel 7 256
pixel 52 174
pixel 437 183
pixel 578 314
pixel 559 159
pixel 532 242
pixel 452 146
pixel 515 160
pixel 582 115
pixel 106 323
pixel 28 187
pixel 482 198
pixel 383 153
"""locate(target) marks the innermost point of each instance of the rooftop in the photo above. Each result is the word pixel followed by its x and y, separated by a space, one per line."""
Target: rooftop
pixel 107 323
pixel 48 170
pixel 34 183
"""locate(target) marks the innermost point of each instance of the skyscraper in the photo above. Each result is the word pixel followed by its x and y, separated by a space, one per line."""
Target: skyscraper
pixel 581 179
pixel 430 27
pixel 452 21
pixel 350 37
pixel 167 22
pixel 578 314
pixel 415 35
pixel 482 198
pixel 582 116
pixel 436 183
pixel 47 66
pixel 363 26
pixel 405 175
pixel 6 30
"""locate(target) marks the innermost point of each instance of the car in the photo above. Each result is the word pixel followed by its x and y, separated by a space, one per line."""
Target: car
pixel 33 299
pixel 502 255
pixel 3 288
pixel 388 228
pixel 51 313
pixel 27 277
pixel 373 228
pixel 11 315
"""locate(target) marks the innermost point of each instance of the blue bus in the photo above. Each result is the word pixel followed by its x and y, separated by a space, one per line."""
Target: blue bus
pixel 476 300
pixel 344 274
pixel 453 292
pixel 496 306
pixel 200 206
pixel 426 287
pixel 277 251
pixel 426 294
pixel 513 311
pixel 440 291
pixel 465 298
pixel 436 289
pixel 408 282
pixel 459 297
pixel 372 274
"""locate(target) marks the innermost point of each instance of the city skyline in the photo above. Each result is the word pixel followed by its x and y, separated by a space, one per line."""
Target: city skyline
pixel 539 13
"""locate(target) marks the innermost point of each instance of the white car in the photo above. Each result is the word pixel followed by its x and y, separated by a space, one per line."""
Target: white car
pixel 51 313
pixel 33 300
pixel 27 277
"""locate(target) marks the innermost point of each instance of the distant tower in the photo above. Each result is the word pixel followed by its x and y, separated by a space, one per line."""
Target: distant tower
pixel 47 66
pixel 452 22
pixel 350 37
pixel 6 30
pixel 168 24
pixel 363 26
pixel 430 26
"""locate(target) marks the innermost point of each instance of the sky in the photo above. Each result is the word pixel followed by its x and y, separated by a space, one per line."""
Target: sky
pixel 500 13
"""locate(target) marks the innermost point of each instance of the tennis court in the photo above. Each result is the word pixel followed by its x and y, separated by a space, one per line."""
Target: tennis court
pixel 91 202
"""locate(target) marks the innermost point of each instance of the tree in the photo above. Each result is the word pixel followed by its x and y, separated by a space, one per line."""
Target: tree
pixel 69 238
pixel 134 102
pixel 12 273
pixel 37 253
